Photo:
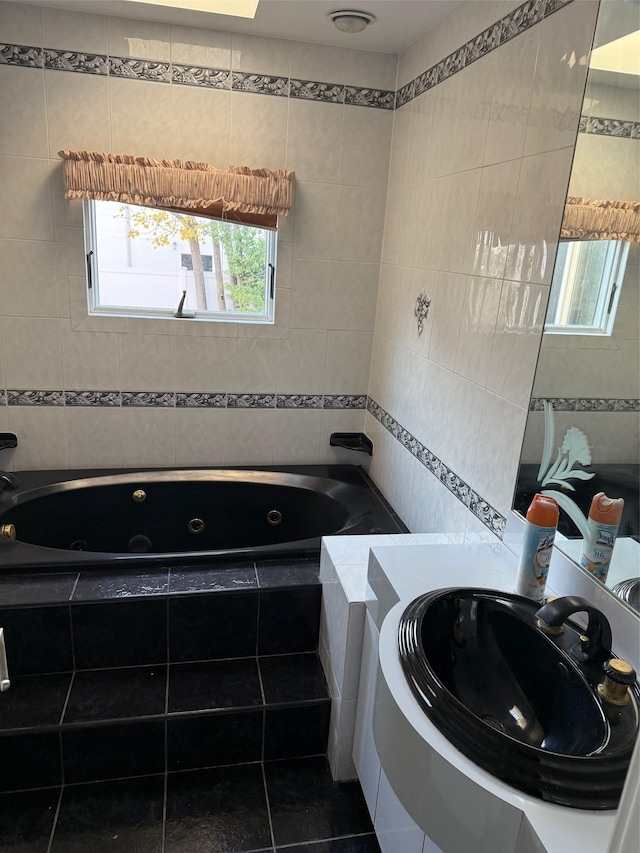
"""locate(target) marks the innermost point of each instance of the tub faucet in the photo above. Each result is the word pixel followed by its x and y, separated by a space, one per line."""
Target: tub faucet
pixel 595 644
pixel 8 481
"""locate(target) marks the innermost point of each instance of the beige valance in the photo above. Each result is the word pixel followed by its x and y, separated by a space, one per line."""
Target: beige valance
pixel 587 219
pixel 239 193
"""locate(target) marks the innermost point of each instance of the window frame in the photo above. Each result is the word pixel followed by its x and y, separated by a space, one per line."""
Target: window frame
pixel 92 286
pixel 608 297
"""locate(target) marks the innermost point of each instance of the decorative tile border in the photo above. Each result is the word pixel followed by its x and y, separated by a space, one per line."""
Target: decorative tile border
pixel 148 399
pixel 140 69
pixel 18 54
pixel 92 398
pixel 260 84
pixel 195 75
pixel 482 510
pixel 181 400
pixel 85 63
pixel 585 404
pixel 516 22
pixel 620 128
pixel 519 20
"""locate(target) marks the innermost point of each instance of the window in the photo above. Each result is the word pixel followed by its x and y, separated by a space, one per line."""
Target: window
pixel 586 287
pixel 153 262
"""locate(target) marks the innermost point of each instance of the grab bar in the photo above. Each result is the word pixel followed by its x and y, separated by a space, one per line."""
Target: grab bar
pixel 5 683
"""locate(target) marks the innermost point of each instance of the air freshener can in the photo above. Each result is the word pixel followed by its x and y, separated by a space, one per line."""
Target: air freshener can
pixel 537 547
pixel 604 519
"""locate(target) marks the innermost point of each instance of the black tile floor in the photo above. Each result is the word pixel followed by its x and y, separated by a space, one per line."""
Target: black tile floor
pixel 291 804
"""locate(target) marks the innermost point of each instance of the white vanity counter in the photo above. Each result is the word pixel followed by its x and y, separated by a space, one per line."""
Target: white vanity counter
pixel 458 805
pixel 423 794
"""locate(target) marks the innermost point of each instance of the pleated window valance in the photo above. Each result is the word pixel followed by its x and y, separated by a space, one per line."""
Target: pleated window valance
pixel 237 194
pixel 587 219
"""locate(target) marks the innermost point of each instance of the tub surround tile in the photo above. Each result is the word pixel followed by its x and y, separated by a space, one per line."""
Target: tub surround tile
pixel 296 732
pixel 84 63
pixel 29 761
pixel 212 685
pixel 292 678
pixel 120 816
pixel 140 69
pixel 214 740
pixel 214 579
pixel 287 573
pixel 251 401
pixel 35 398
pixel 34 701
pixel 307 805
pixel 96 586
pixel 260 84
pixel 352 844
pixel 27 820
pixel 310 90
pixel 198 400
pixel 206 627
pixel 164 399
pixel 194 75
pixel 289 620
pixel 38 639
pixel 120 633
pixel 17 54
pixel 92 398
pixel 36 589
pixel 113 751
pixel 221 809
pixel 299 401
pixel 345 401
pixel 108 694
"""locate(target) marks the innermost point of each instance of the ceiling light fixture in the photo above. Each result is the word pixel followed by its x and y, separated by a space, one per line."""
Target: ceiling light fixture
pixel 351 20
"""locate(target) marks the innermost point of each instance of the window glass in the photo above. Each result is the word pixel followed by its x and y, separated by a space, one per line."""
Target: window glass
pixel 586 286
pixel 142 261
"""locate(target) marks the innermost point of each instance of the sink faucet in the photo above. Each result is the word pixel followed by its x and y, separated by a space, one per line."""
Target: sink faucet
pixel 8 481
pixel 595 644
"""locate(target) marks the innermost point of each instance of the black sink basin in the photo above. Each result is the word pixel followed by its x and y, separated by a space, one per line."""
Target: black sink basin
pixel 515 700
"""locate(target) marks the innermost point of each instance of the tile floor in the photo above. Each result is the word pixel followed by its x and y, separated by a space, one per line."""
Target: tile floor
pixel 291 804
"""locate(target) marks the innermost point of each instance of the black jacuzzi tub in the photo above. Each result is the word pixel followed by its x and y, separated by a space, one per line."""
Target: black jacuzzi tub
pixel 92 517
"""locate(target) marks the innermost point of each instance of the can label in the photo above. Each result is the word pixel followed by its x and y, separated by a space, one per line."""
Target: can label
pixel 537 548
pixel 598 548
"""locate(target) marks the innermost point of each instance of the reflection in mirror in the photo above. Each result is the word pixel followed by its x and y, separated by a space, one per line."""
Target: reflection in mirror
pixel 582 434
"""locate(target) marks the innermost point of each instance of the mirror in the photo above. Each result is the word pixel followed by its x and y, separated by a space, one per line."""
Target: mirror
pixel 582 433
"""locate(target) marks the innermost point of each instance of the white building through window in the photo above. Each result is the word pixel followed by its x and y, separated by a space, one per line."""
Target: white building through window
pixel 151 262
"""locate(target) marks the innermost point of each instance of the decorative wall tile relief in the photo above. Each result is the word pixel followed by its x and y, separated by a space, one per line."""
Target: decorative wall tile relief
pixel 345 401
pixel 421 312
pixel 299 401
pixel 426 80
pixel 251 401
pixel 140 69
pixel 490 517
pixel 627 406
pixel 3 398
pixel 143 399
pixel 193 75
pixel 92 398
pixel 522 18
pixel 553 6
pixel 311 91
pixel 260 84
pixel 35 398
pixel 84 63
pixel 17 54
pixel 456 485
pixel 583 405
pixel 201 401
pixel 381 99
pixel 405 94
pixel 610 127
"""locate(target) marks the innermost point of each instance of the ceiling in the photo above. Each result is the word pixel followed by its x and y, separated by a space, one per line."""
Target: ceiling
pixel 398 22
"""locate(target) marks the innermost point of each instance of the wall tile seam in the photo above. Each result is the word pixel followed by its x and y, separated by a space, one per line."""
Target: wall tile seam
pixel 475 503
pixel 514 24
pixel 587 404
pixel 619 128
pixel 199 76
pixel 28 398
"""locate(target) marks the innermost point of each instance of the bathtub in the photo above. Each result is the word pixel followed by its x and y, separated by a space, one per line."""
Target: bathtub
pixel 91 518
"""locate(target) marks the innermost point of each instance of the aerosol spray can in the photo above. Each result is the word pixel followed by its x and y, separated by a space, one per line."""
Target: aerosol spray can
pixel 537 546
pixel 602 528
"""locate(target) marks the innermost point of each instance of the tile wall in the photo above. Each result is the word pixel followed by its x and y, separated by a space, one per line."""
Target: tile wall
pixel 485 126
pixel 92 391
